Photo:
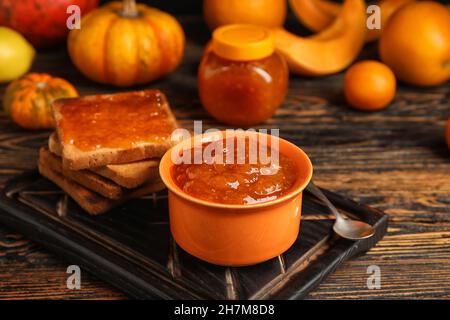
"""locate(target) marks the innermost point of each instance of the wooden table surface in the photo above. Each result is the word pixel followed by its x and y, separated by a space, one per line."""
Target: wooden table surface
pixel 395 160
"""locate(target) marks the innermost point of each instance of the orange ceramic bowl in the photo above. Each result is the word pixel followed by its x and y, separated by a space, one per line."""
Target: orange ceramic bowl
pixel 236 235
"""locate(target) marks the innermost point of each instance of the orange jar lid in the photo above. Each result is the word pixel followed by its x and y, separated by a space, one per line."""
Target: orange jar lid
pixel 243 42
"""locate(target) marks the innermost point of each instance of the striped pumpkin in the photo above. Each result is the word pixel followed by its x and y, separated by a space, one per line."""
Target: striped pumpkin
pixel 28 100
pixel 125 44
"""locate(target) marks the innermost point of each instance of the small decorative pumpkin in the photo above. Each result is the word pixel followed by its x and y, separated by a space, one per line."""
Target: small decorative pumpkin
pixel 125 44
pixel 28 100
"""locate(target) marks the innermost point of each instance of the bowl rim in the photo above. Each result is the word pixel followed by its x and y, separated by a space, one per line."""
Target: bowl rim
pixel 167 179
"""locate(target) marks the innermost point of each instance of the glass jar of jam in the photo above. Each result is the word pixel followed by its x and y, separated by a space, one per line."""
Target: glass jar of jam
pixel 242 80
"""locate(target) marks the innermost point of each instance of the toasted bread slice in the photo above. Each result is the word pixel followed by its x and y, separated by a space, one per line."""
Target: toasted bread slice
pixel 93 203
pixel 53 145
pixel 87 179
pixel 90 201
pixel 129 175
pixel 99 130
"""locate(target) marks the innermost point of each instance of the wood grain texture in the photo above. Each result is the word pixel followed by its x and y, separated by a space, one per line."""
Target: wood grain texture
pixel 131 247
pixel 395 160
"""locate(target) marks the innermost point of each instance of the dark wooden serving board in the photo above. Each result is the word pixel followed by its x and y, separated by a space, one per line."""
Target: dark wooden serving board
pixel 131 247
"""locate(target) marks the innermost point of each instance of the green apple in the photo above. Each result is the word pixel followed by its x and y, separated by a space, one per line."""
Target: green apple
pixel 16 55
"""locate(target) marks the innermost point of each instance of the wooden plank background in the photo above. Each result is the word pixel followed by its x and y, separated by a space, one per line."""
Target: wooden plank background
pixel 395 160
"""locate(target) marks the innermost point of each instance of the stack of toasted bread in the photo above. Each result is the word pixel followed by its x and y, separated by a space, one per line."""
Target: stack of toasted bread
pixel 106 148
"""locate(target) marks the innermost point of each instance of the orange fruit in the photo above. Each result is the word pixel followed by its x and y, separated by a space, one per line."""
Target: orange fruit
pixel 369 85
pixel 267 13
pixel 415 43
pixel 447 134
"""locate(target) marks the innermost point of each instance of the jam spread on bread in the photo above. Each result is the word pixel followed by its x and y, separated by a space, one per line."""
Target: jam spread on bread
pixel 115 121
pixel 234 182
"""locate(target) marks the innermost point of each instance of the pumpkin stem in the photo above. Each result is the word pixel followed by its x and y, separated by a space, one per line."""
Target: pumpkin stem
pixel 129 9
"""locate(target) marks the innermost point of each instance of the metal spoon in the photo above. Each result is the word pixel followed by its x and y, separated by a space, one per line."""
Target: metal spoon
pixel 344 226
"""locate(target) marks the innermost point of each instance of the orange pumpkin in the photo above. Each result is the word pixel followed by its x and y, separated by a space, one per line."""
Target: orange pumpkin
pixel 28 100
pixel 319 14
pixel 267 13
pixel 125 44
pixel 330 50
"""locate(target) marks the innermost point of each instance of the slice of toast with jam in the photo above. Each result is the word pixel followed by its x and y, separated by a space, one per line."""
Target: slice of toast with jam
pixel 86 178
pixel 94 202
pixel 128 175
pixel 100 130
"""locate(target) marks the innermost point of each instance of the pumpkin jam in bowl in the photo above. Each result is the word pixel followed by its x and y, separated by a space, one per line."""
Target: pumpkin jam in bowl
pixel 230 203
